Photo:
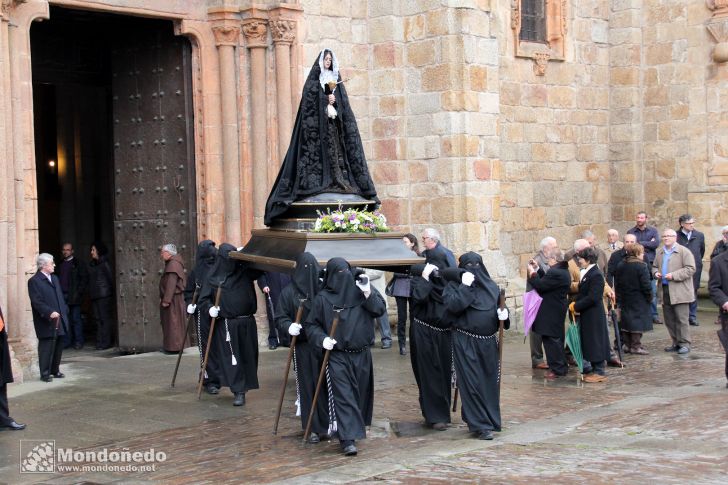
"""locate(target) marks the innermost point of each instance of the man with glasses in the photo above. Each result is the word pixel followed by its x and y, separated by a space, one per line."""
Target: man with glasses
pixel 695 241
pixel 431 240
pixel 673 269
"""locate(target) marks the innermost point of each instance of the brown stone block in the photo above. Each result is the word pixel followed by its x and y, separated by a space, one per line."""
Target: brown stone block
pixel 657 191
pixel 495 208
pixel 624 76
pixel 512 219
pixel 387 55
pixel 561 97
pixel 510 94
pixel 387 127
pixel 658 54
pixel 665 169
pixel 461 145
pixel 459 101
pixel 534 95
pixel 444 211
pixel 478 78
pixel 387 172
pixel 482 169
pixel 542 152
pixel 387 81
pixel 534 218
pixel 395 210
pixel 512 132
pixel 418 172
pixel 664 131
pixel 437 22
pixel 414 27
pixel 679 112
pixel 421 53
pixel 421 211
pixel 679 190
pixel 385 149
pixel 442 77
pixel 392 105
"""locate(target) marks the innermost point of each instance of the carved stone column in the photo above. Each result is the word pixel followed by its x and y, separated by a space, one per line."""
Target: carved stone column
pixel 718 27
pixel 284 32
pixel 227 34
pixel 256 34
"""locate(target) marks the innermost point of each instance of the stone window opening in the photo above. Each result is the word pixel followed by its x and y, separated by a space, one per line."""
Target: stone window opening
pixel 539 28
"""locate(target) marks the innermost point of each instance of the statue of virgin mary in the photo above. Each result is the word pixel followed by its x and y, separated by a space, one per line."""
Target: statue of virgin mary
pixel 325 154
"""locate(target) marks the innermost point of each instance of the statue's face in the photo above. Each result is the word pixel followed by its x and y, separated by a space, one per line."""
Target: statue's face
pixel 327 61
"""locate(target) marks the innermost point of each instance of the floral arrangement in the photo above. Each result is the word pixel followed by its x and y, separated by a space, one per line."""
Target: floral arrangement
pixel 350 220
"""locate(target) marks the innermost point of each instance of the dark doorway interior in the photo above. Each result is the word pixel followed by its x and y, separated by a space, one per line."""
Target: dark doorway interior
pixel 93 79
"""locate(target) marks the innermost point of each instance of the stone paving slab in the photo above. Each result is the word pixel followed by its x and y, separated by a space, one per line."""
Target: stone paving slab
pixel 663 409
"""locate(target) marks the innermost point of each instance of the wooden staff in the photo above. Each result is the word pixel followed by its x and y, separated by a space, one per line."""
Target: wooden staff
pixel 321 375
pixel 187 332
pixel 209 341
pixel 299 315
pixel 502 306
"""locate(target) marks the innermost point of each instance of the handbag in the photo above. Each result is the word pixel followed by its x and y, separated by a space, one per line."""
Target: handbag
pixel 389 290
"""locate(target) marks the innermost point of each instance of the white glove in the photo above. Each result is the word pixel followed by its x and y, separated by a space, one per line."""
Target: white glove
pixel 240 249
pixel 502 314
pixel 295 329
pixel 328 343
pixel 214 311
pixel 363 283
pixel 191 308
pixel 468 278
pixel 429 268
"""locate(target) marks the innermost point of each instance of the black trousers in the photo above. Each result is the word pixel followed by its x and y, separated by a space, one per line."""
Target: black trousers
pixel 555 356
pixel 403 304
pixel 103 314
pixel 45 349
pixel 5 418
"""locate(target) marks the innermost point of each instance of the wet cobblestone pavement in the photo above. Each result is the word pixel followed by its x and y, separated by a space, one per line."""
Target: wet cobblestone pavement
pixel 660 419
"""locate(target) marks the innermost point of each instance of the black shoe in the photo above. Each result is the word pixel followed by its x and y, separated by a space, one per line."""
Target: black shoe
pixel 672 348
pixel 239 399
pixel 485 435
pixel 272 346
pixel 212 389
pixel 349 448
pixel 656 320
pixel 386 345
pixel 439 426
pixel 13 426
pixel 59 375
pixel 402 350
pixel 46 378
pixel 314 438
pixel 694 323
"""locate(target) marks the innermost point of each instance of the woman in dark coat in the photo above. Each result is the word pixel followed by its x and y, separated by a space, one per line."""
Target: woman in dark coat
pixel 101 291
pixel 6 377
pixel 553 287
pixel 593 321
pixel 401 293
pixel 473 303
pixel 307 357
pixel 634 297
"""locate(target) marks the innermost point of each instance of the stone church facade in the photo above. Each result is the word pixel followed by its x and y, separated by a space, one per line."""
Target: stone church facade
pixel 473 121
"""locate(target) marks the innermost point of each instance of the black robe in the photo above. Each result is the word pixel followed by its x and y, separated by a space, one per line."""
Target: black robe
pixel 307 356
pixel 350 362
pixel 634 295
pixel 592 319
pixel 322 152
pixel 431 347
pixel 234 347
pixel 475 346
pixel 553 287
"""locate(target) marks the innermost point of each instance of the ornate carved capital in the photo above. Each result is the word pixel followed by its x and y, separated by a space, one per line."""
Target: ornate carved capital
pixel 256 32
pixel 226 35
pixel 719 7
pixel 540 63
pixel 283 31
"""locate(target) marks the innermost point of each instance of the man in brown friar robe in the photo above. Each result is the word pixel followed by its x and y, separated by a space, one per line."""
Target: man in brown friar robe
pixel 172 303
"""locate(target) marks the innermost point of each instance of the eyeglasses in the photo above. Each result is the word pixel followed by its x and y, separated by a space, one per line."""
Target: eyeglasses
pixel 665 237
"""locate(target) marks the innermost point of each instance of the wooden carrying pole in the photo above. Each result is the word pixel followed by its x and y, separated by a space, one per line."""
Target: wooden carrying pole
pixel 299 314
pixel 187 332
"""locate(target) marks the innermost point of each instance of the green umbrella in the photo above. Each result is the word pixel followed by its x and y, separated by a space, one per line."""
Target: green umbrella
pixel 573 340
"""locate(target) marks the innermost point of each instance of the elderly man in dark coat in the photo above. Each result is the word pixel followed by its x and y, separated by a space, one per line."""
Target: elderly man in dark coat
pixel 50 316
pixel 6 377
pixel 694 240
pixel 172 301
pixel 473 302
pixel 718 286
pixel 593 321
pixel 634 298
pixel 553 286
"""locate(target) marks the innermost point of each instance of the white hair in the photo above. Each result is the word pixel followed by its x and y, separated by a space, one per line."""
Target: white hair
pixel 43 259
pixel 580 244
pixel 587 234
pixel 546 241
pixel 613 231
pixel 431 233
pixel 724 229
pixel 170 248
